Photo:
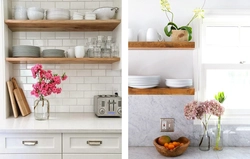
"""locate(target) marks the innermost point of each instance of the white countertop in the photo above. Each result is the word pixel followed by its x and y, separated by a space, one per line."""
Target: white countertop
pixel 191 153
pixel 62 123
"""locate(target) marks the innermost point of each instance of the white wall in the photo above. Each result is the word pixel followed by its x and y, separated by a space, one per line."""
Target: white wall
pixel 143 14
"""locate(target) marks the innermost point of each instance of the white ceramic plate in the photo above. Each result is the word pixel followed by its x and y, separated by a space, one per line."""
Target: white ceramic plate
pixel 143 87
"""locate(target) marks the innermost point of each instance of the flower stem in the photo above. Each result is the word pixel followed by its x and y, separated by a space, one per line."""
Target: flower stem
pixel 218 134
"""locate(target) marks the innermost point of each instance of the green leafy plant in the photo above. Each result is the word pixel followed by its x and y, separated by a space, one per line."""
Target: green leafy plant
pixel 165 6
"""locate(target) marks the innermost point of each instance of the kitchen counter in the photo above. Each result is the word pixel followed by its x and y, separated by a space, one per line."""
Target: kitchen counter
pixel 62 123
pixel 191 153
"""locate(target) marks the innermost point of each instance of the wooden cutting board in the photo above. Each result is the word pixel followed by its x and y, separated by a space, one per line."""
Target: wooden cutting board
pixel 12 98
pixel 21 99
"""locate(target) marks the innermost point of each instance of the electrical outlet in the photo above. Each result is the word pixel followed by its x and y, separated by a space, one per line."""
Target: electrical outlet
pixel 167 124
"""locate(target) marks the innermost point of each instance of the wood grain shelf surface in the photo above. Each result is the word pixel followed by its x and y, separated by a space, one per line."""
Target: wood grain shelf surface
pixel 161 91
pixel 161 45
pixel 62 25
pixel 63 60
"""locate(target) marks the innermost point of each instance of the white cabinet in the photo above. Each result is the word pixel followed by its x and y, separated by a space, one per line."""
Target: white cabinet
pixel 96 146
pixel 30 143
pixel 92 156
pixel 60 145
pixel 30 156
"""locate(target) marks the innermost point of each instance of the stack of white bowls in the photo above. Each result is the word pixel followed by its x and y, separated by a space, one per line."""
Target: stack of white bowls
pixel 35 13
pixel 20 13
pixel 53 53
pixel 179 83
pixel 90 16
pixel 143 81
pixel 77 16
pixel 58 14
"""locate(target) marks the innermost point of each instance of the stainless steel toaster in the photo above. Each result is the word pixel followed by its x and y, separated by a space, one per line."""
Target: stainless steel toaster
pixel 108 105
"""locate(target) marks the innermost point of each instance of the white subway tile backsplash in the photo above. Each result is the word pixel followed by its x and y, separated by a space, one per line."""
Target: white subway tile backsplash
pixel 98 73
pixel 90 94
pixel 25 73
pixel 88 109
pixel 17 4
pixel 27 87
pixel 55 43
pixel 64 5
pixel 83 73
pixel 106 4
pixel 76 94
pixel 69 42
pixel 40 43
pixel 75 109
pixel 76 66
pixel 62 35
pixel 15 42
pixel 97 87
pixel 76 79
pixel 19 66
pixel 21 80
pixel 92 5
pixel 113 73
pixel 31 80
pixel 19 35
pixel 33 4
pixel 69 87
pixel 117 80
pixel 84 101
pixel 62 109
pixel 69 102
pixel 105 66
pixel 76 35
pixel 91 79
pixel 106 80
pixel 91 66
pixel 70 73
pixel 26 42
pixel 83 87
pixel 55 102
pixel 33 35
pixel 62 66
pixel 77 5
pixel 48 5
pixel 48 35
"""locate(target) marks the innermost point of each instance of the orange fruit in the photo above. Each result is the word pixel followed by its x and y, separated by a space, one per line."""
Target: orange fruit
pixel 176 143
pixel 171 146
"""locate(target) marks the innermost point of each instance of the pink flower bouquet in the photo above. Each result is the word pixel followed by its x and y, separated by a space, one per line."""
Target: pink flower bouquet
pixel 47 82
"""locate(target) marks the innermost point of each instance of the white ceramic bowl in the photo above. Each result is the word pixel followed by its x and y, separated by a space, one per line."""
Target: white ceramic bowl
pixel 36 9
pixel 105 13
pixel 35 15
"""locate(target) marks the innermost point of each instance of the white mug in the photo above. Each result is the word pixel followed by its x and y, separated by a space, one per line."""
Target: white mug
pixel 79 51
pixel 153 35
pixel 71 52
pixel 131 36
pixel 141 35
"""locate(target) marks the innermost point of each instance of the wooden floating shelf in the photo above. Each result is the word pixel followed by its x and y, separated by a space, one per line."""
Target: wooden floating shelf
pixel 62 25
pixel 161 45
pixel 63 60
pixel 161 91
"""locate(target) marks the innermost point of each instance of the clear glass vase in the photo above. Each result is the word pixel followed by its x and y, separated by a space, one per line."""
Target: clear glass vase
pixel 204 143
pixel 218 137
pixel 41 109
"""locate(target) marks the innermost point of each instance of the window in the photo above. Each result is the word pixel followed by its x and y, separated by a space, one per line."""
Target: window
pixel 225 64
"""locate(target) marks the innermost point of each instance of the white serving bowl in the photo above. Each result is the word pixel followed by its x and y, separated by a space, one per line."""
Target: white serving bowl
pixel 36 9
pixel 105 13
pixel 35 15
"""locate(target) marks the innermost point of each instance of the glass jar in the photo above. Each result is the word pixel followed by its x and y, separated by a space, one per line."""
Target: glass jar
pixel 114 50
pixel 204 143
pixel 41 109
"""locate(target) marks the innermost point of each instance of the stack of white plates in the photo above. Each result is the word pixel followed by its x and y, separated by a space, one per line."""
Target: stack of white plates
pixel 77 16
pixel 143 81
pixel 58 14
pixel 179 83
pixel 25 51
pixel 53 53
pixel 90 16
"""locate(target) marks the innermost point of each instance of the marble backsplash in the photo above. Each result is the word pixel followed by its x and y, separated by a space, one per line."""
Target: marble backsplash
pixel 144 121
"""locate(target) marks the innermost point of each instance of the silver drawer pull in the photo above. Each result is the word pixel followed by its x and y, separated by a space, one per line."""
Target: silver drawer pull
pixel 30 143
pixel 94 143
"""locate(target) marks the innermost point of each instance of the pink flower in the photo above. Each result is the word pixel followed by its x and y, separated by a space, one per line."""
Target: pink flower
pixel 190 110
pixel 47 82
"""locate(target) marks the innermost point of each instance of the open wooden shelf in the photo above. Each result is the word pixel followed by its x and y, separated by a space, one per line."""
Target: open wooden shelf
pixel 62 25
pixel 63 60
pixel 161 45
pixel 161 91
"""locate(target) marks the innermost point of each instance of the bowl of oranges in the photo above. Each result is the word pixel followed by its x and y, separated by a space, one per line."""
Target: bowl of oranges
pixel 171 148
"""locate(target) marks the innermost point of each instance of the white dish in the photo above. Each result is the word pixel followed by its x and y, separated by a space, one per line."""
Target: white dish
pixel 105 13
pixel 143 87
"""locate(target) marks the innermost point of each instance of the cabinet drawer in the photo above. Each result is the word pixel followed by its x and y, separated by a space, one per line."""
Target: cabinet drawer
pixel 30 156
pixel 92 143
pixel 92 156
pixel 30 143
